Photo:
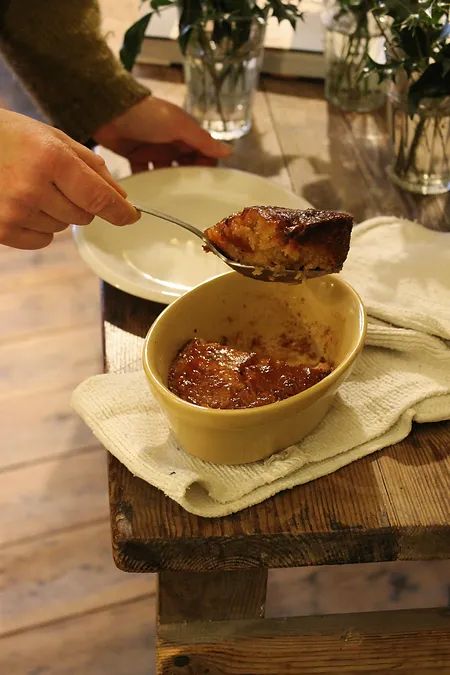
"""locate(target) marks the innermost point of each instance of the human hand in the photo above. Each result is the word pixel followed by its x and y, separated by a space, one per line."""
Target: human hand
pixel 157 131
pixel 48 181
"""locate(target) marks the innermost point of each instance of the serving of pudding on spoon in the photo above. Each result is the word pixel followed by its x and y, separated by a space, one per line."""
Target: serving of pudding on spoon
pixel 274 243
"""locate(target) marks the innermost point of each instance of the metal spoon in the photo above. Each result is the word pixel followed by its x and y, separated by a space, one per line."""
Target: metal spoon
pixel 282 275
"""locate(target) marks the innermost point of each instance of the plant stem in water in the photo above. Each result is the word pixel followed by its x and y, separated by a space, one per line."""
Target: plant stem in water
pixel 216 80
pixel 418 133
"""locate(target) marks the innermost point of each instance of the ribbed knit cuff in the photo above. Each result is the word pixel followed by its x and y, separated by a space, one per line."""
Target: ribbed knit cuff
pixel 83 116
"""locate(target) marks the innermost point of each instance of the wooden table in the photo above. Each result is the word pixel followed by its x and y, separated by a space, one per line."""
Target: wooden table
pixel 389 506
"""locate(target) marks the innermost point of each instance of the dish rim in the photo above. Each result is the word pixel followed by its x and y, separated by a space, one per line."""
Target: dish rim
pixel 303 396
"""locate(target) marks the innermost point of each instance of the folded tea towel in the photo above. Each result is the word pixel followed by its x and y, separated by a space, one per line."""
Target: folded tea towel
pixel 402 272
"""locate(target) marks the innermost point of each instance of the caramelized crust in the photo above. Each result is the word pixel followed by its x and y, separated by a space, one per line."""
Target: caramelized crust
pixel 213 375
pixel 273 236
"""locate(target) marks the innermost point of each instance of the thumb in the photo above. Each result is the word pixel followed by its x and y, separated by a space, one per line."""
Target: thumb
pixel 199 139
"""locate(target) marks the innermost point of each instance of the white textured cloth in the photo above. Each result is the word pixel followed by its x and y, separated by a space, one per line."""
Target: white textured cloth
pixel 402 272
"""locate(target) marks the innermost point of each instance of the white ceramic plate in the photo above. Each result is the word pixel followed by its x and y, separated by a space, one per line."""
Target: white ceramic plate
pixel 159 261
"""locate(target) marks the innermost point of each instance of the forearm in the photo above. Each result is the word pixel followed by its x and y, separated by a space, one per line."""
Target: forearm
pixel 57 49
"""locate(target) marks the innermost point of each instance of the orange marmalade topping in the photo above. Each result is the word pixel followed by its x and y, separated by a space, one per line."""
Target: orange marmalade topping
pixel 213 375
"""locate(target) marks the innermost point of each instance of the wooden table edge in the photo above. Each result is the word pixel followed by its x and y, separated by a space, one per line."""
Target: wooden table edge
pixel 281 549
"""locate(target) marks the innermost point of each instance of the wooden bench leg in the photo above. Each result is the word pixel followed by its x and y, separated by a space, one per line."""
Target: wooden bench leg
pixel 188 597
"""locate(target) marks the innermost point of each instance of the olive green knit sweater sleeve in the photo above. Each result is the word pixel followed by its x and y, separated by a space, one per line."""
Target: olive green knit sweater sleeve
pixel 57 50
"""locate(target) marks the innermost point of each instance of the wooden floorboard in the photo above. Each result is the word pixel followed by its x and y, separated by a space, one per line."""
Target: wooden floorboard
pixel 27 269
pixel 72 573
pixel 115 640
pixel 52 495
pixel 27 312
pixel 37 427
pixel 46 362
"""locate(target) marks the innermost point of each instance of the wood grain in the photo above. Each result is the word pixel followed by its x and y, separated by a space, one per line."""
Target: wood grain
pixel 416 476
pixel 380 642
pixel 414 468
pixel 260 151
pixel 51 264
pixel 53 495
pixel 71 302
pixel 60 575
pixel 212 596
pixel 314 524
pixel 37 426
pixel 369 140
pixel 65 359
pixel 117 640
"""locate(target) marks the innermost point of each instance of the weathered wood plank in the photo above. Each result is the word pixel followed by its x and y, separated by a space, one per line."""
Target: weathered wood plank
pixel 212 596
pixel 52 495
pixel 416 476
pixel 61 575
pixel 409 642
pixel 334 520
pixel 117 640
pixel 49 362
pixel 308 131
pixel 51 264
pixel 259 151
pixel 69 302
pixel 36 426
pixel 414 468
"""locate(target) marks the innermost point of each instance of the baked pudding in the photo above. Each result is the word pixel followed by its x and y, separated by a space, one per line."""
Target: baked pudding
pixel 280 238
pixel 214 375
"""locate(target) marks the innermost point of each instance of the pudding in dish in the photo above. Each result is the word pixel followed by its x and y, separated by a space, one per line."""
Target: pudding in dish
pixel 214 375
pixel 279 238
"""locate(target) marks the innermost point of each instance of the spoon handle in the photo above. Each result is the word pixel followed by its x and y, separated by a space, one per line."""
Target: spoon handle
pixel 172 219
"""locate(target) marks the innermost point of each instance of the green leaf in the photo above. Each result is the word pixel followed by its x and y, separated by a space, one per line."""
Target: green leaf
pixel 285 11
pixel 222 29
pixel 191 14
pixel 157 4
pixel 445 67
pixel 433 83
pixel 414 41
pixel 132 41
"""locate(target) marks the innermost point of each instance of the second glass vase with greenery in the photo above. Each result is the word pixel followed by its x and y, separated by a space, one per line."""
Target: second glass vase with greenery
pixel 417 65
pixel 352 36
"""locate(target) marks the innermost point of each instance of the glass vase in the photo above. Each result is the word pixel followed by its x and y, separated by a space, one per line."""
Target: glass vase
pixel 221 69
pixel 420 143
pixel 349 39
